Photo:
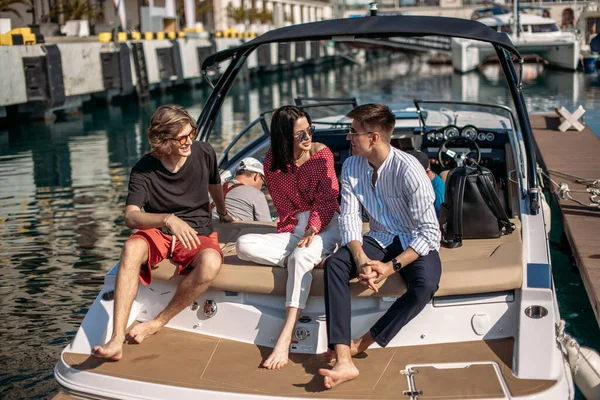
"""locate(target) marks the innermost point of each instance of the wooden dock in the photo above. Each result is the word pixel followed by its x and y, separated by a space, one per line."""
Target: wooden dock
pixel 578 154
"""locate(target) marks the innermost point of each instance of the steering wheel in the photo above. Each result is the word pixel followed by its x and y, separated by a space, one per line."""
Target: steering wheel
pixel 458 157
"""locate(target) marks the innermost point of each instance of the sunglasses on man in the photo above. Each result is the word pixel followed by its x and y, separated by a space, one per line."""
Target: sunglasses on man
pixel 183 140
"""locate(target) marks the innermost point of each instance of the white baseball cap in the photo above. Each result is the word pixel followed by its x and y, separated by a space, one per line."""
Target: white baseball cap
pixel 251 164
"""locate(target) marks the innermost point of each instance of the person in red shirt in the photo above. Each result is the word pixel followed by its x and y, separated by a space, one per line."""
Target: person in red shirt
pixel 302 182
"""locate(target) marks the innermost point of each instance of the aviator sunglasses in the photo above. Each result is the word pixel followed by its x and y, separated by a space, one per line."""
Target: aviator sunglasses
pixel 183 140
pixel 303 135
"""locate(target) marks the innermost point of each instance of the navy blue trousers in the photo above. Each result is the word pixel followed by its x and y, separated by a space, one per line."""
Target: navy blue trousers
pixel 422 278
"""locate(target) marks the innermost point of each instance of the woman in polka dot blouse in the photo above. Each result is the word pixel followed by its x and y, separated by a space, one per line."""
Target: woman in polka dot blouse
pixel 301 179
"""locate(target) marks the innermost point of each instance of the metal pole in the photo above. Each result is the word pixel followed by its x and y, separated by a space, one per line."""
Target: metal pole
pixel 516 18
pixel 373 9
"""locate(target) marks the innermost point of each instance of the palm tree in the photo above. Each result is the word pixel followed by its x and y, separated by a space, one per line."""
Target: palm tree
pixel 238 14
pixel 202 7
pixel 76 9
pixel 6 6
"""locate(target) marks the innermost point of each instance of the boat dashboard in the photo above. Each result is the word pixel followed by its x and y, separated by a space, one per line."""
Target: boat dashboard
pixel 480 135
pixel 479 131
pixel 468 139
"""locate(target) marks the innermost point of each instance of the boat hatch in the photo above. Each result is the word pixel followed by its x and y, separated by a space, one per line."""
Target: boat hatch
pixel 455 381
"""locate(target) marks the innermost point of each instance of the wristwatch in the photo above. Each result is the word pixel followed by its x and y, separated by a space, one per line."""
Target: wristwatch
pixel 397 265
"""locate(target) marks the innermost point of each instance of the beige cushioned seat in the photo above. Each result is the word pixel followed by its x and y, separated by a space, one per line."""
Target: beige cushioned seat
pixel 479 266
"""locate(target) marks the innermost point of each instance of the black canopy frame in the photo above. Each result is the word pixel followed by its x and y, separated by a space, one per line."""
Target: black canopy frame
pixel 382 27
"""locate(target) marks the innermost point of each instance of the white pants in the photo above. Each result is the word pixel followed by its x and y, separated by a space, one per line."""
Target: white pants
pixel 273 248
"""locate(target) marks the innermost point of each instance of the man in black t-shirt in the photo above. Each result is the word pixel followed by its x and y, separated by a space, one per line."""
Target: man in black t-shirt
pixel 171 184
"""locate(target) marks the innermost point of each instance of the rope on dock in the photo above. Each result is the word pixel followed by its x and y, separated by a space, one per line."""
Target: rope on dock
pixel 564 192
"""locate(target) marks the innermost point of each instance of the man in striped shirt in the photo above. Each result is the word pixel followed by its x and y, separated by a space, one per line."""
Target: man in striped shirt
pixel 394 191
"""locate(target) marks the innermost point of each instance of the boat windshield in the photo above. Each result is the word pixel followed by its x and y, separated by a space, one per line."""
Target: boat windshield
pixel 436 114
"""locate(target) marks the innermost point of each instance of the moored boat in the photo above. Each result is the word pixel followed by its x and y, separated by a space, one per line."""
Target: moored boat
pixel 537 37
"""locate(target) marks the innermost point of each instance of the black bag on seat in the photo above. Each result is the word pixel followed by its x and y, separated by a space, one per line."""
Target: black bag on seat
pixel 471 208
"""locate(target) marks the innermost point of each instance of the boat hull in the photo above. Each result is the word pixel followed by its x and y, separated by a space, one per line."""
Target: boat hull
pixel 220 357
pixel 467 55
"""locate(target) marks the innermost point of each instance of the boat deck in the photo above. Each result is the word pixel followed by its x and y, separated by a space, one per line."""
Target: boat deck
pixel 574 153
pixel 178 358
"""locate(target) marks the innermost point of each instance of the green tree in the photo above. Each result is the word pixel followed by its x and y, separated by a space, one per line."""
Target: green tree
pixel 7 6
pixel 265 17
pixel 238 14
pixel 76 9
pixel 203 7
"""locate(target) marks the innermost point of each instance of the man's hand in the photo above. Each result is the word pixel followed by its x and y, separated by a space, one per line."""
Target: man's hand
pixel 182 231
pixel 383 270
pixel 307 239
pixel 227 218
pixel 366 275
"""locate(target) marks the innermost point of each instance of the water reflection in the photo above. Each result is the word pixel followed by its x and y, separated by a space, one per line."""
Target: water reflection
pixel 64 187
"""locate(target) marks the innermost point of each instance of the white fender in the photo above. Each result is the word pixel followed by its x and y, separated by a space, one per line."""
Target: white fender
pixel 585 365
pixel 547 213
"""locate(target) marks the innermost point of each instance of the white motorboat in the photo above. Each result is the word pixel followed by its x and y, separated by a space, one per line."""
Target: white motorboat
pixel 537 37
pixel 489 332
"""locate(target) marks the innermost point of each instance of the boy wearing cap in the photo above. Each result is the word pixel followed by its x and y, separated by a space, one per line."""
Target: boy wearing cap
pixel 437 182
pixel 243 196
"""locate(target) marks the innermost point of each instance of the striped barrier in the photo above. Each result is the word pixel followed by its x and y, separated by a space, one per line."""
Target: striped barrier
pixel 20 36
pixel 106 37
pixel 193 30
pixel 233 34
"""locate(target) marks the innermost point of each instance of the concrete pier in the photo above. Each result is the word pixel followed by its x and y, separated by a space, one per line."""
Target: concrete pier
pixel 42 79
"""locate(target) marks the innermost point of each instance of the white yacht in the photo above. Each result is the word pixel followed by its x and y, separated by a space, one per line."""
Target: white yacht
pixel 538 37
pixel 492 331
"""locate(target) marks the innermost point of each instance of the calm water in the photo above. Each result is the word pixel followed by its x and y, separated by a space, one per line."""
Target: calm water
pixel 63 187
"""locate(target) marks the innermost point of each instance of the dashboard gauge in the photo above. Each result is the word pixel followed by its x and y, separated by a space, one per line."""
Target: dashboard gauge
pixel 439 136
pixel 451 132
pixel 469 132
pixel 481 136
pixel 431 137
pixel 490 137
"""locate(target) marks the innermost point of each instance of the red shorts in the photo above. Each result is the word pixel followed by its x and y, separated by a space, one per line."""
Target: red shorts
pixel 159 248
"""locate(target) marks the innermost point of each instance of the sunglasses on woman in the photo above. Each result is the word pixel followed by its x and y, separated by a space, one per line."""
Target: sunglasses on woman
pixel 183 140
pixel 302 135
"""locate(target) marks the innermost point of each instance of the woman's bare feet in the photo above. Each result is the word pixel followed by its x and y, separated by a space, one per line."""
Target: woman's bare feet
pixel 113 350
pixel 140 332
pixel 340 373
pixel 279 356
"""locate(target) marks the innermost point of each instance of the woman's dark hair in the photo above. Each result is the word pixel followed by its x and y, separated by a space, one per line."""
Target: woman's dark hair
pixel 282 136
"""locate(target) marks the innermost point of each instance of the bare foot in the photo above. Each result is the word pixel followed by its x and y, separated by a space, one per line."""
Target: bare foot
pixel 113 350
pixel 359 345
pixel 329 355
pixel 341 372
pixel 140 332
pixel 355 348
pixel 279 356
